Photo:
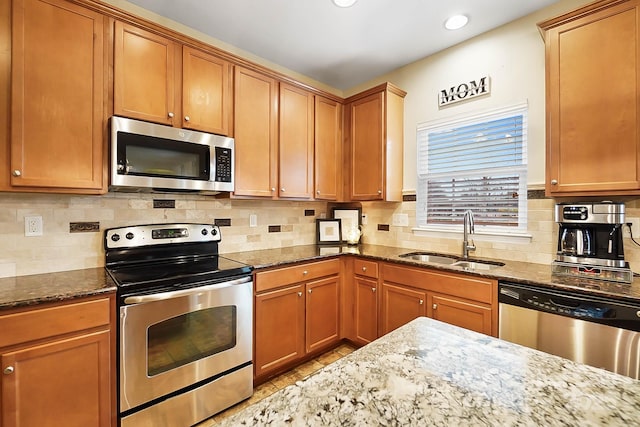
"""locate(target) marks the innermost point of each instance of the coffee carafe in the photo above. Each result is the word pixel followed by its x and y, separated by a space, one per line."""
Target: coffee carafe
pixel 591 233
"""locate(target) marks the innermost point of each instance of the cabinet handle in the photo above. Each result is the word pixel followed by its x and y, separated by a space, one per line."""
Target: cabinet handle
pixel 299 294
pixel 364 268
pixel 187 118
pixel 373 289
pixel 434 306
pixel 273 189
pixel 170 115
pixel 421 301
pixel 318 192
pixel 304 273
pixel 554 182
pixel 282 189
pixel 379 191
pixel 8 370
pixel 310 290
pixel 16 172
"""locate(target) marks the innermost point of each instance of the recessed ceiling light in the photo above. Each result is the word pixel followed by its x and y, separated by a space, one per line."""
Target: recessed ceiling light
pixel 456 22
pixel 344 3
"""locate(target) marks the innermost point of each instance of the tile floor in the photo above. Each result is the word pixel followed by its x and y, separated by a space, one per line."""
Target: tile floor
pixel 282 381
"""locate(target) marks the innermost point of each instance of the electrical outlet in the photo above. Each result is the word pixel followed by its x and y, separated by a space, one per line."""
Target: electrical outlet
pixel 400 219
pixel 33 226
pixel 253 220
pixel 635 228
pixel 365 219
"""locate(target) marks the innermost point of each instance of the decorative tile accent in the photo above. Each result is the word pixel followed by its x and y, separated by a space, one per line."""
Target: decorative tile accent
pixel 535 194
pixel 164 204
pixel 383 227
pixel 409 198
pixel 222 222
pixel 84 227
pixel 309 212
pixel 274 229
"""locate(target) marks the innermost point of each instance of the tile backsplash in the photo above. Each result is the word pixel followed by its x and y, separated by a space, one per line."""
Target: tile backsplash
pixel 64 246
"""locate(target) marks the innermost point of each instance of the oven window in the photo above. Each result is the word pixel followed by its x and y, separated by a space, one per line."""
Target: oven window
pixel 190 337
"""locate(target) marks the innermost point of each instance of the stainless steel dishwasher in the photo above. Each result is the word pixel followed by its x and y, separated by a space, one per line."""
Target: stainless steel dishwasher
pixel 589 329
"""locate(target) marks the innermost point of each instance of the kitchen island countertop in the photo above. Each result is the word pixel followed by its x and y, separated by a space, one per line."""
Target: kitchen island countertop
pixel 432 373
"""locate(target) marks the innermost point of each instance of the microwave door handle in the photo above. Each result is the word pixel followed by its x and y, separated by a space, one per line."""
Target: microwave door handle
pixel 139 299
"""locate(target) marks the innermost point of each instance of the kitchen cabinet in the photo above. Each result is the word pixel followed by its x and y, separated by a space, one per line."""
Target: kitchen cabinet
pixel 365 285
pixel 295 142
pixel 466 301
pixel 593 117
pixel 57 364
pixel 297 313
pixel 188 88
pixel 256 133
pixel 57 138
pixel 328 149
pixel 375 139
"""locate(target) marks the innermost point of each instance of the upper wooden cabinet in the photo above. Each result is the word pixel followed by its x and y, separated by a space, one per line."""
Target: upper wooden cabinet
pixel 256 133
pixel 593 93
pixel 328 149
pixel 58 130
pixel 187 87
pixel 295 143
pixel 375 134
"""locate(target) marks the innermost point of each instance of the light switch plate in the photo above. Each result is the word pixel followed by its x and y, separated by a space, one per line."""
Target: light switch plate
pixel 253 220
pixel 400 220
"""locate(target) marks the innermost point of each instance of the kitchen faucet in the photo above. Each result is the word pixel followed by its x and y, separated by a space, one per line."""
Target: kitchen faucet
pixel 467 220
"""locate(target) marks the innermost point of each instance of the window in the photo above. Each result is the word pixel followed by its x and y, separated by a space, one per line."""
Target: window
pixel 477 163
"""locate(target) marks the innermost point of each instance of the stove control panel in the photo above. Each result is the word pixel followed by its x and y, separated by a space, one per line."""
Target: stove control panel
pixel 160 234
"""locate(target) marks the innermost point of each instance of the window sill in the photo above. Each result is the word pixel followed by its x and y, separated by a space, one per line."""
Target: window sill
pixel 481 236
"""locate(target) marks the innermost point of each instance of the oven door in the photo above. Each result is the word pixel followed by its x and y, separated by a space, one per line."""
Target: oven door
pixel 170 341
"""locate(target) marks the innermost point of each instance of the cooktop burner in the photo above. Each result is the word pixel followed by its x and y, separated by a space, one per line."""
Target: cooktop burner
pixel 156 257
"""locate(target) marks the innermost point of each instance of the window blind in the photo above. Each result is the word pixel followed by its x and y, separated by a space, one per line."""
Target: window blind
pixel 478 164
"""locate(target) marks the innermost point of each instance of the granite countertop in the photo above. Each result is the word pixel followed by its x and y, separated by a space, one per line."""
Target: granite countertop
pixel 35 289
pixel 513 271
pixel 432 373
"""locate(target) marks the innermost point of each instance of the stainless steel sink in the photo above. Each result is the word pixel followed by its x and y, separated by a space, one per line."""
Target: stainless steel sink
pixel 477 265
pixel 430 257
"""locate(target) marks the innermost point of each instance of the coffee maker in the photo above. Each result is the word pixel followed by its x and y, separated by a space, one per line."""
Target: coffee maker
pixel 590 241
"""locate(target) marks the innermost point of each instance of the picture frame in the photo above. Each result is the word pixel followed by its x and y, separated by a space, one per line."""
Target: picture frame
pixel 329 231
pixel 349 217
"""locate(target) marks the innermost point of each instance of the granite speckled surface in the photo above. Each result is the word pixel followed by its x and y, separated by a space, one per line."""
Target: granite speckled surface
pixel 431 373
pixel 35 289
pixel 518 272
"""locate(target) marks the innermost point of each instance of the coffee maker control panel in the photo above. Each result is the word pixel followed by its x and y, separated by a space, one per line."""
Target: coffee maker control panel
pixel 592 213
pixel 575 213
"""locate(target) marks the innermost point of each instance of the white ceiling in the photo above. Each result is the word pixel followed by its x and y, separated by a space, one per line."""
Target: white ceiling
pixel 340 47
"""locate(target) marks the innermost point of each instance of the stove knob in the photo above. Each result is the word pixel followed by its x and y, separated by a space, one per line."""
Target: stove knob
pixel 204 232
pixel 214 231
pixel 115 237
pixel 129 235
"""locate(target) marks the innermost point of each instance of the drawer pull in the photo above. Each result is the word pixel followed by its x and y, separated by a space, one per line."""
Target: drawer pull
pixel 310 290
pixel 435 306
pixel 421 301
pixel 305 272
pixel 373 289
pixel 299 294
pixel 364 268
pixel 8 370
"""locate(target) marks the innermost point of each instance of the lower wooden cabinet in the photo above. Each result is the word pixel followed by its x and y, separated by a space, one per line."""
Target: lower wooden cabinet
pixel 400 305
pixel 297 313
pixel 57 365
pixel 459 312
pixel 366 310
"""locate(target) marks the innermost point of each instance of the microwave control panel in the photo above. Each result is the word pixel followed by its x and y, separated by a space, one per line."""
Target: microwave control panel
pixel 223 163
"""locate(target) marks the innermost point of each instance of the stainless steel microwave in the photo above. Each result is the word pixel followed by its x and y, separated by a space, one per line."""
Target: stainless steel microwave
pixel 151 157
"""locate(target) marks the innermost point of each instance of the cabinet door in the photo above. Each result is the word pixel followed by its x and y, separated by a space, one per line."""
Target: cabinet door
pixel 279 328
pixel 367 142
pixel 144 75
pixel 400 305
pixel 465 314
pixel 256 134
pixel 62 382
pixel 322 313
pixel 328 149
pixel 295 142
pixel 593 81
pixel 57 94
pixel 366 308
pixel 206 92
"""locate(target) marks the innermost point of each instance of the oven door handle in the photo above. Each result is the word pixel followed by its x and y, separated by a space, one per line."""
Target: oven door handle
pixel 138 299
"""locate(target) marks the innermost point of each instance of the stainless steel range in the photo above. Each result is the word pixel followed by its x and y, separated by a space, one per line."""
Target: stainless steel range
pixel 186 320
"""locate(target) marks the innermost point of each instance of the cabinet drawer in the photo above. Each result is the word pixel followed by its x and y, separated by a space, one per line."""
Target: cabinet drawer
pixel 365 268
pixel 272 279
pixel 469 287
pixel 41 323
